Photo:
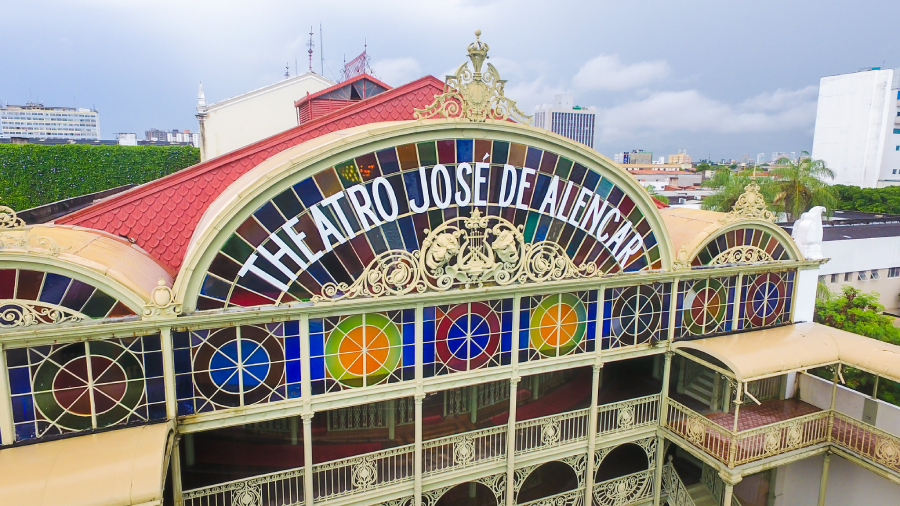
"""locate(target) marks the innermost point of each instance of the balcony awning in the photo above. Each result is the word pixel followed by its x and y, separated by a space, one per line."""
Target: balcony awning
pixel 121 467
pixel 770 352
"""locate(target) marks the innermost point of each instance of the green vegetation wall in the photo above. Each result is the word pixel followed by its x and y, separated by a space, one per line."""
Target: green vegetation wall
pixel 32 175
pixel 868 200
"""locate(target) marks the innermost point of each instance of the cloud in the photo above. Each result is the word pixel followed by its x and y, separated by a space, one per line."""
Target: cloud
pixel 397 71
pixel 691 111
pixel 608 73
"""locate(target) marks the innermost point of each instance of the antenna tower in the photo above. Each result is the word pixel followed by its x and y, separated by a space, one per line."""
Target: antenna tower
pixel 310 45
pixel 321 52
pixel 287 70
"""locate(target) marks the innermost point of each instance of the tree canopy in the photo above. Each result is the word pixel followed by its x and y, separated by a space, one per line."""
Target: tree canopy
pixel 869 200
pixel 801 185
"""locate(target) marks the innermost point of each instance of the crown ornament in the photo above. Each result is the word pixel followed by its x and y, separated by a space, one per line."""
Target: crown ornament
pixel 473 94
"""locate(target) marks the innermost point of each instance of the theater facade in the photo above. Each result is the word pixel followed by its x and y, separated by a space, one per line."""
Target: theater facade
pixel 416 298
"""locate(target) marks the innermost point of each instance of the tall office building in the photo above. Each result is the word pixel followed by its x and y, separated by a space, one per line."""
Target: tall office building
pixel 857 130
pixel 34 120
pixel 567 119
pixel 681 157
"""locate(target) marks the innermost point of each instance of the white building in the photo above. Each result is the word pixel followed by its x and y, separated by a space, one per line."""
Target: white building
pixel 238 121
pixel 34 120
pixel 567 119
pixel 858 127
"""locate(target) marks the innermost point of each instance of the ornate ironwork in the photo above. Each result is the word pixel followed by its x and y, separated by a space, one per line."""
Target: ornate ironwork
pixel 283 488
pixel 468 251
pixel 673 488
pixel 21 313
pixel 742 255
pixel 9 219
pixel 474 95
pixel 627 489
pixel 570 498
pixel 30 243
pixel 682 262
pixel 751 205
pixel 162 302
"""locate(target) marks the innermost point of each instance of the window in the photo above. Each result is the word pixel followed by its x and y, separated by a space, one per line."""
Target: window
pixel 834 278
pixel 874 274
pixel 847 276
pixel 894 272
pixel 897 130
pixel 862 276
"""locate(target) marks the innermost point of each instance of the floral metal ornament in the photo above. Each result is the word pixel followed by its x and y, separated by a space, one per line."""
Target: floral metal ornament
pixel 20 313
pixel 467 251
pixel 29 243
pixel 751 205
pixel 742 255
pixel 474 95
pixel 8 218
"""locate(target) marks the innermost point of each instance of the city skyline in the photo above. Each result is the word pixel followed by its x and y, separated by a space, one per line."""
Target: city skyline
pixel 664 91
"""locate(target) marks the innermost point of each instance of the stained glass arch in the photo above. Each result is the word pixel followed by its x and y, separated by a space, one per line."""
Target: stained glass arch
pixel 310 221
pixel 746 243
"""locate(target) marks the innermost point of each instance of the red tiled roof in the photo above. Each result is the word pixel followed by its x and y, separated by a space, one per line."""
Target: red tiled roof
pixel 659 203
pixel 161 215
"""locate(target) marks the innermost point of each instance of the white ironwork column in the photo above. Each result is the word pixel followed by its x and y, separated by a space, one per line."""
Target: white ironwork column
pixel 823 482
pixel 419 399
pixel 7 429
pixel 418 455
pixel 592 431
pixel 307 459
pixel 661 416
pixel 727 494
pixel 177 492
pixel 513 397
pixel 168 355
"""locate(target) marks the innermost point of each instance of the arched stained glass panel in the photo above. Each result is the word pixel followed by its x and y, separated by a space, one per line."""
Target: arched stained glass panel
pixel 705 306
pixel 746 245
pixel 766 299
pixel 557 325
pixel 635 314
pixel 467 336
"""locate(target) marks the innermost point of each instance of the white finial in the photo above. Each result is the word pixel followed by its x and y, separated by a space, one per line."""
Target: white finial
pixel 201 97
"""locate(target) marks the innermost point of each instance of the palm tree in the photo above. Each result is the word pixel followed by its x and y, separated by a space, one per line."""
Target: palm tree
pixel 800 186
pixel 729 186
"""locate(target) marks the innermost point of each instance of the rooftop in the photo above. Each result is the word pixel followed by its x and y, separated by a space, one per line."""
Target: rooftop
pixel 851 225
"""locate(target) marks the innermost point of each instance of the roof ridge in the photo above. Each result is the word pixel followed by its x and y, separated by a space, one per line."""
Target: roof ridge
pixel 339 85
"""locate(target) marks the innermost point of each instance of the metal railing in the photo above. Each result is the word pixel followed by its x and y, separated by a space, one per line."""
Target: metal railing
pixel 284 488
pixel 699 430
pixel 463 450
pixel 673 488
pixel 765 389
pixel 570 498
pixel 627 415
pixel 866 441
pixel 363 472
pixel 781 437
pixel 628 489
pixel 551 431
pixel 373 415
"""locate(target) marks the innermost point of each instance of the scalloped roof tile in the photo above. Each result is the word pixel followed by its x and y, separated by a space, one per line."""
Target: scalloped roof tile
pixel 144 213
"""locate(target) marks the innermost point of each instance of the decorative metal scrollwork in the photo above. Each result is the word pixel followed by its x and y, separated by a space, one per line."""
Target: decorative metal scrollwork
pixel 625 418
pixel 474 95
pixel 887 452
pixel 364 474
pixel 247 494
pixel 695 431
pixel 467 251
pixel 463 451
pixel 30 243
pixel 19 313
pixel 550 432
pixel 751 205
pixel 8 218
pixel 625 490
pixel 742 255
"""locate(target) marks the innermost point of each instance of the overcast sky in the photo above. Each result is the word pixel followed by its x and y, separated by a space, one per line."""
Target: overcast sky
pixel 722 77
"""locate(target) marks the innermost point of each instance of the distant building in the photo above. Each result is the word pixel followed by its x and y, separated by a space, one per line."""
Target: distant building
pixel 857 130
pixel 34 120
pixel 569 120
pixel 681 157
pixel 760 159
pixel 636 156
pixel 126 139
pixel 173 136
pixel 238 121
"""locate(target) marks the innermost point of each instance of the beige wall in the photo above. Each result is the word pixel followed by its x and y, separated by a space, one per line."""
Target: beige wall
pixel 854 255
pixel 887 288
pixel 245 119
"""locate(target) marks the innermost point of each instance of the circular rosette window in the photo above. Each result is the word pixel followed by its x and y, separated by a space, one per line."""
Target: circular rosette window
pixel 363 350
pixel 558 324
pixel 705 306
pixel 73 384
pixel 765 300
pixel 468 336
pixel 232 366
pixel 637 312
